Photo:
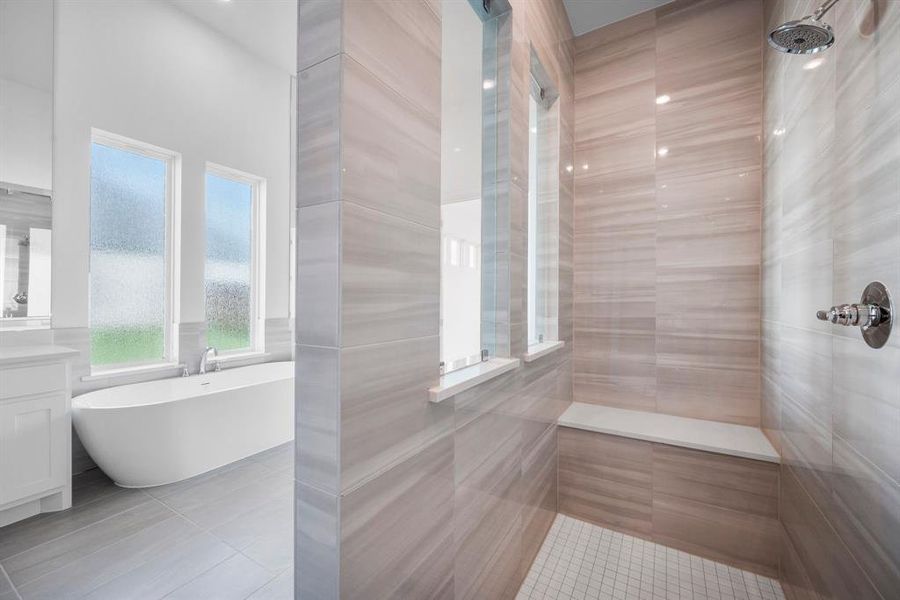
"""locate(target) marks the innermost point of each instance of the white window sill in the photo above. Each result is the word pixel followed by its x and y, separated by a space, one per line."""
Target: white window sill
pixel 467 378
pixel 241 357
pixel 129 371
pixel 535 351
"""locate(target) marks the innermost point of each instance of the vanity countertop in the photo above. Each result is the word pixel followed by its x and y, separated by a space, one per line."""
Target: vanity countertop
pixel 18 354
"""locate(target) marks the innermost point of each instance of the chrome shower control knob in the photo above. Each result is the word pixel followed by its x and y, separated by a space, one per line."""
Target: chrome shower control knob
pixel 872 314
pixel 864 315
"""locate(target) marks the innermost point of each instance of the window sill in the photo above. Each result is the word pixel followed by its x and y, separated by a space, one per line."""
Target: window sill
pixel 535 351
pixel 469 377
pixel 129 371
pixel 240 358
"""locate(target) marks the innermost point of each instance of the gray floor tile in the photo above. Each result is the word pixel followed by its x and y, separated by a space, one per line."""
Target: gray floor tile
pixel 280 588
pixel 279 458
pixel 92 485
pixel 254 493
pixel 223 484
pixel 6 586
pixel 167 571
pixel 94 570
pixel 261 521
pixel 274 552
pixel 232 579
pixel 181 539
pixel 39 529
pixel 163 491
pixel 45 558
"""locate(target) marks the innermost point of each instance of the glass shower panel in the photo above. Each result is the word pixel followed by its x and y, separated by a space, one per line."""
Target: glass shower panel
pixel 463 86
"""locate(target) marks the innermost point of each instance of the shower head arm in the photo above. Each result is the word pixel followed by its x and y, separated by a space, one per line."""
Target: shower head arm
pixel 820 12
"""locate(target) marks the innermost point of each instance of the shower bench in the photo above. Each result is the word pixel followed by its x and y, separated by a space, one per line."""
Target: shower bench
pixel 708 488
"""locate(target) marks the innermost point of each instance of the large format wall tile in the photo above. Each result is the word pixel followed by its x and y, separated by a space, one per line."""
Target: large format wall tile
pixel 833 571
pixel 397 529
pixel 667 206
pixel 383 413
pixel 389 287
pixel 605 479
pixel 721 507
pixel 539 493
pixel 717 506
pixel 413 499
pixel 390 148
pixel 831 224
pixel 400 44
pixel 319 133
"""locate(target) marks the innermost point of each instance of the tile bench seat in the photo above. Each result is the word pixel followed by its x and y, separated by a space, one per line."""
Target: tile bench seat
pixel 707 488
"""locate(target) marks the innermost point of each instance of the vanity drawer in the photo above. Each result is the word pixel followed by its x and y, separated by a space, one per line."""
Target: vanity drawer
pixel 33 379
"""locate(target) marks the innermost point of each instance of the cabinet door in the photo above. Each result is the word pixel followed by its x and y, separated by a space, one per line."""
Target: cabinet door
pixel 33 434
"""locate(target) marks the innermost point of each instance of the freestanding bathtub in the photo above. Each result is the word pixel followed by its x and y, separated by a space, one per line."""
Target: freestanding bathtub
pixel 159 432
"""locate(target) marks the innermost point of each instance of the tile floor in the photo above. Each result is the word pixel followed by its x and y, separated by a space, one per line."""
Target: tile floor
pixel 579 560
pixel 226 534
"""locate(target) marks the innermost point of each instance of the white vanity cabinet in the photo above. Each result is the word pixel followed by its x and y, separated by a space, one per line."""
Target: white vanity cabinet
pixel 35 431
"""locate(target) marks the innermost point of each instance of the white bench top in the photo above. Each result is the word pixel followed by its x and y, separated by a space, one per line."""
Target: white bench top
pixel 710 436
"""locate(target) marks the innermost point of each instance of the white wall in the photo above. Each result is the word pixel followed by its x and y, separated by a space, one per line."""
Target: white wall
pixel 147 71
pixel 26 73
pixel 461 282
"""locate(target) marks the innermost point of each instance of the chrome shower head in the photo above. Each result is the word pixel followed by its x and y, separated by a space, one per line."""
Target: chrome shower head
pixel 802 37
pixel 805 36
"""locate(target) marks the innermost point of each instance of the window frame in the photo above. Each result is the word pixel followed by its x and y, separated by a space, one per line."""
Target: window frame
pixel 257 253
pixel 172 161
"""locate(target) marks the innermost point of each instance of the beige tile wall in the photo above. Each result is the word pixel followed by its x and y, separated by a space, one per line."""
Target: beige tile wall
pixel 398 497
pixel 720 507
pixel 667 248
pixel 831 224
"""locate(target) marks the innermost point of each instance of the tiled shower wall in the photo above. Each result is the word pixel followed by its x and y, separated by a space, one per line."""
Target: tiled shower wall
pixel 398 497
pixel 831 225
pixel 667 211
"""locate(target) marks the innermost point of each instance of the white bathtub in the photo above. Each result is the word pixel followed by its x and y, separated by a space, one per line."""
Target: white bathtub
pixel 159 432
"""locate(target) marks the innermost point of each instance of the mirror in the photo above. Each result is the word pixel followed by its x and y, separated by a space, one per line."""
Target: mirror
pixel 26 87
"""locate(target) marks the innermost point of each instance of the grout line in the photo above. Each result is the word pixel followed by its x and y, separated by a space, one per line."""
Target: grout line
pixel 269 582
pixel 64 512
pixel 15 590
pixel 230 556
pixel 98 550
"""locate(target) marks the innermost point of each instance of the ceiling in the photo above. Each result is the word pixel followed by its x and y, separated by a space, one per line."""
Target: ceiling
pixel 588 15
pixel 267 28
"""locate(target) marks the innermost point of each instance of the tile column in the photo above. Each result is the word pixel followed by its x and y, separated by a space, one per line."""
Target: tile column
pixel 374 464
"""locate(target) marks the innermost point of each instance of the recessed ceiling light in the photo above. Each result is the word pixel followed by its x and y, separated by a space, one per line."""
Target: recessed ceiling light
pixel 813 64
pixel 570 168
pixel 488 84
pixel 662 151
pixel 664 99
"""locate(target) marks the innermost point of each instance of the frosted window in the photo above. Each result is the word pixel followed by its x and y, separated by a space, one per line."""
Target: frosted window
pixel 128 257
pixel 229 249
